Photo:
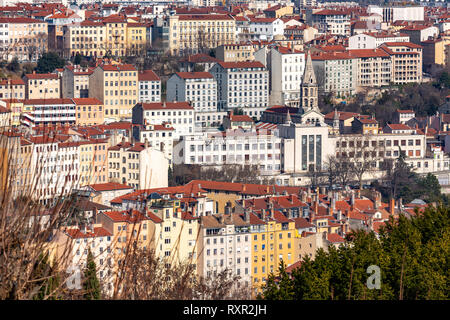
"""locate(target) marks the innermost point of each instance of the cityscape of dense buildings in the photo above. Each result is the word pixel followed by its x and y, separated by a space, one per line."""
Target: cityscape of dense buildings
pixel 245 91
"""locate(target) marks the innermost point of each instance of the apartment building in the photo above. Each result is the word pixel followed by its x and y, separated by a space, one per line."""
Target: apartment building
pixel 226 244
pixel 54 168
pixel 374 67
pixel 89 111
pixel 372 40
pixel 265 28
pixel 75 81
pixel 72 245
pixel 331 21
pixel 136 38
pixel 42 86
pixel 117 87
pixel 336 72
pixel 149 86
pixel 125 228
pixel 286 71
pixel 137 165
pixel 381 147
pixel 398 12
pixel 11 112
pixel 406 61
pixel 175 232
pixel 198 88
pixel 180 115
pixel 12 88
pixel 420 33
pixel 235 146
pixel 87 38
pixel 24 38
pixel 242 85
pixel 234 52
pixel 193 33
pixel 93 161
pixel 48 112
pixel 158 136
pixel 272 234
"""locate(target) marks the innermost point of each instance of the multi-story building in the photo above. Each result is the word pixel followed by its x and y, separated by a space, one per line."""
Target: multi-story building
pixel 193 33
pixel 75 81
pixel 253 147
pixel 89 111
pixel 226 244
pixel 12 88
pixel 137 165
pixel 265 28
pixel 149 86
pixel 136 38
pixel 117 87
pixel 374 67
pixel 73 244
pixel 336 72
pixel 48 112
pixel 394 13
pixel 372 40
pixel 330 21
pixel 234 52
pixel 242 85
pixel 159 136
pixel 286 68
pixel 42 86
pixel 419 33
pixel 406 61
pixel 24 38
pixel 198 88
pixel 180 115
pixel 175 232
pixel 87 38
pixel 93 161
pixel 11 112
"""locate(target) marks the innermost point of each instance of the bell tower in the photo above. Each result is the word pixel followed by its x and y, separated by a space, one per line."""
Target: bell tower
pixel 308 88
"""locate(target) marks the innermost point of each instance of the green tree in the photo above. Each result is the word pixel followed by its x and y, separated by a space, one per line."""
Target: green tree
pixel 48 285
pixel 77 59
pixel 14 65
pixel 91 284
pixel 48 62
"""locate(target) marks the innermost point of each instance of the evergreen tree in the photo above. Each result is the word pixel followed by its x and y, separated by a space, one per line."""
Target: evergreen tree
pixel 47 287
pixel 48 62
pixel 91 284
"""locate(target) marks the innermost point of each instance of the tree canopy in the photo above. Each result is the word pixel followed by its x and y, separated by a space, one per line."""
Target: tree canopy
pixel 48 62
pixel 412 254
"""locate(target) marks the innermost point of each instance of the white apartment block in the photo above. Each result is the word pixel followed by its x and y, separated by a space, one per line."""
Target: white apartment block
pixel 198 88
pixel 235 146
pixel 48 112
pixel 54 168
pixel 149 86
pixel 226 243
pixel 137 165
pixel 331 21
pixel 374 67
pixel 242 85
pixel 158 136
pixel 406 61
pixel 180 115
pixel 392 14
pixel 336 72
pixel 266 28
pixel 374 39
pixel 286 72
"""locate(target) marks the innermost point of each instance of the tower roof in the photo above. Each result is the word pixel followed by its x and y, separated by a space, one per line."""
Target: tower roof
pixel 309 77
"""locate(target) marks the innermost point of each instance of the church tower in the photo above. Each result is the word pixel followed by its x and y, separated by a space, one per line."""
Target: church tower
pixel 308 89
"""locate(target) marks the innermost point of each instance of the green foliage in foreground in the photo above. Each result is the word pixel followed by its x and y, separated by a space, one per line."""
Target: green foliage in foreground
pixel 412 253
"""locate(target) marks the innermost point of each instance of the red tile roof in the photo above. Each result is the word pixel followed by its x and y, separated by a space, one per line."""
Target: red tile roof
pixel 118 67
pixel 109 186
pixel 368 53
pixel 241 64
pixel 166 105
pixel 47 101
pixel 126 216
pixel 86 101
pixel 41 76
pixel 148 75
pixel 194 75
pixel 78 234
pixel 399 126
pixel 240 118
pixel 335 238
pixel 12 82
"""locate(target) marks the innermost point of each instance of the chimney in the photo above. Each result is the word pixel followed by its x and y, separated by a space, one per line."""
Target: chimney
pixel 268 189
pixel 352 201
pixel 392 206
pixel 303 196
pixel 400 204
pixel 332 206
pixel 291 198
pixel 244 188
pixel 339 215
pixel 377 200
